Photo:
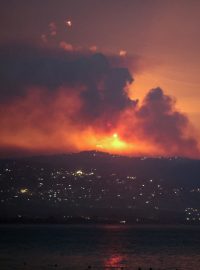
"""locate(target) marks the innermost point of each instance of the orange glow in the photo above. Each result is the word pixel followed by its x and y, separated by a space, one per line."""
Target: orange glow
pixel 44 123
pixel 115 135
pixel 112 143
pixel 66 46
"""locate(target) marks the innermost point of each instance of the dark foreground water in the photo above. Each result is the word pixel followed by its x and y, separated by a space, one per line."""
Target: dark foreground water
pixel 101 247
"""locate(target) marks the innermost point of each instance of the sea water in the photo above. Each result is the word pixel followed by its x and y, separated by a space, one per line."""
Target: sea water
pixel 99 247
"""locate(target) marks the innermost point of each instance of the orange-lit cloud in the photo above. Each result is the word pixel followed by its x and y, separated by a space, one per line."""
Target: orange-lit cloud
pixel 122 53
pixel 93 48
pixel 66 46
pixel 55 102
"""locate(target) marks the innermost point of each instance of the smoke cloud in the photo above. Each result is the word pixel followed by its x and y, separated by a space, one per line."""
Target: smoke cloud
pixel 55 100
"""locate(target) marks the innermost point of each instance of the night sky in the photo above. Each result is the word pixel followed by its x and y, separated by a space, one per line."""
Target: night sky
pixel 120 76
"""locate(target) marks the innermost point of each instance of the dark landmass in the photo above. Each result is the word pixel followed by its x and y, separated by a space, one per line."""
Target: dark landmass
pixel 96 187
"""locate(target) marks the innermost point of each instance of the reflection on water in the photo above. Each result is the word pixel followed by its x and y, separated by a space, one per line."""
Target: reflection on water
pixel 115 261
pixel 101 247
pixel 113 246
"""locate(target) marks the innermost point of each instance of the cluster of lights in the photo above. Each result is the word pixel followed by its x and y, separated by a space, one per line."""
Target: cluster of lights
pixel 192 214
pixel 81 187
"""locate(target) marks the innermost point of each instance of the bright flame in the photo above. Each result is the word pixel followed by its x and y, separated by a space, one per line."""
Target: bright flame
pixel 112 143
pixel 115 135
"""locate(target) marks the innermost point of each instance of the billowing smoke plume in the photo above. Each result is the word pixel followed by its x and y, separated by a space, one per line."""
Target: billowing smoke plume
pixel 158 122
pixel 54 100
